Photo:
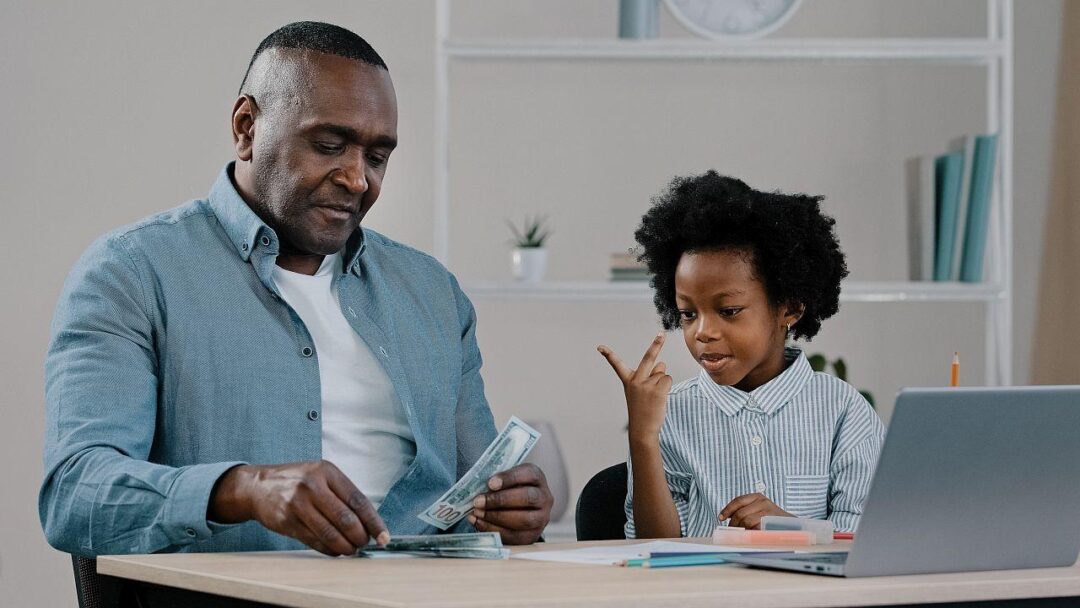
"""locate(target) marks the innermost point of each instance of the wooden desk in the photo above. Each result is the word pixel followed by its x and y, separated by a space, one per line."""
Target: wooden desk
pixel 308 579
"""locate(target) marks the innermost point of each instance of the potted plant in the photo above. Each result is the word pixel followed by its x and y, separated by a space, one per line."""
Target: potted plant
pixel 818 363
pixel 530 256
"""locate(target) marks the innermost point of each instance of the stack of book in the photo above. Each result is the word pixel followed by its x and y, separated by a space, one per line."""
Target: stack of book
pixel 625 267
pixel 949 200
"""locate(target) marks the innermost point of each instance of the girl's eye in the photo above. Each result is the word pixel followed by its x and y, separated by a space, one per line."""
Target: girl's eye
pixel 687 315
pixel 729 312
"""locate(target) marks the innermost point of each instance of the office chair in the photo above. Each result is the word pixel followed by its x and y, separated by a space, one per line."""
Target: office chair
pixel 600 514
pixel 95 590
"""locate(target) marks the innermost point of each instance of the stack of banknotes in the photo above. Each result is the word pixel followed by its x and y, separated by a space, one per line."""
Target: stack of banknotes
pixel 476 545
pixel 507 450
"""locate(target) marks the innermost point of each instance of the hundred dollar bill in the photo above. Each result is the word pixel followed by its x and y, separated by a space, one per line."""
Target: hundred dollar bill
pixel 485 540
pixel 508 449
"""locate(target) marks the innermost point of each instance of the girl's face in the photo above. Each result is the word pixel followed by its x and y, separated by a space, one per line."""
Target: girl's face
pixel 728 323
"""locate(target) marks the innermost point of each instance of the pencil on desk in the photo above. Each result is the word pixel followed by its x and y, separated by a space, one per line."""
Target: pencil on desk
pixel 705 559
pixel 955 379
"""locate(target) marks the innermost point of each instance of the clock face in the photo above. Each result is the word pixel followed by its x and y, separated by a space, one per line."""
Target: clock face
pixel 732 18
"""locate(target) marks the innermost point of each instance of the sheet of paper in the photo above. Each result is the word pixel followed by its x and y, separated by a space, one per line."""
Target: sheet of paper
pixel 614 555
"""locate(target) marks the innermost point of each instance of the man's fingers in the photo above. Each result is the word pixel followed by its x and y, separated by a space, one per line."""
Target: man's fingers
pixel 517 519
pixel 510 537
pixel 320 536
pixel 342 517
pixel 624 373
pixel 649 359
pixel 359 504
pixel 660 369
pixel 526 474
pixel 521 497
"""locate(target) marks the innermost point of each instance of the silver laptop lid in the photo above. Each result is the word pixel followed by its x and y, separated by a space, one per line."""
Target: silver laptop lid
pixel 974 479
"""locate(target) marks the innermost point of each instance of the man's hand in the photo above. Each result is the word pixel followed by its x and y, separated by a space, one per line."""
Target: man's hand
pixel 747 510
pixel 313 502
pixel 646 388
pixel 518 506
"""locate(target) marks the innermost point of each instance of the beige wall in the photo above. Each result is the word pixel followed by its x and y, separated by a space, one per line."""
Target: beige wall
pixel 113 110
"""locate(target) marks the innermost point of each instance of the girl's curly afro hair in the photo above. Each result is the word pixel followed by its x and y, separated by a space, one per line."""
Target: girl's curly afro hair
pixel 794 250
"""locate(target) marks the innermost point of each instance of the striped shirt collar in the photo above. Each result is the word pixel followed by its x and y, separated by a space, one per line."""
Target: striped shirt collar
pixel 767 398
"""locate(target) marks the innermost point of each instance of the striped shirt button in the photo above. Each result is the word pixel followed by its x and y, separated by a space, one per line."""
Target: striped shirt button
pixel 760 486
pixel 756 441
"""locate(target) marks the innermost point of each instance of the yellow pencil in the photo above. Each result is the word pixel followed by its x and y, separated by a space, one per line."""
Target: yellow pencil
pixel 955 381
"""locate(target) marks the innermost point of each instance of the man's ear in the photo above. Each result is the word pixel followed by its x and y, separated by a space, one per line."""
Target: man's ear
pixel 243 126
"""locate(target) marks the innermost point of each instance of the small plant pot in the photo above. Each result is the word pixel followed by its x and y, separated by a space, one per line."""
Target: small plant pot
pixel 529 264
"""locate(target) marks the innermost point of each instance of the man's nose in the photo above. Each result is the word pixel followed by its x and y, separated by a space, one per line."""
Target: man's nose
pixel 352 177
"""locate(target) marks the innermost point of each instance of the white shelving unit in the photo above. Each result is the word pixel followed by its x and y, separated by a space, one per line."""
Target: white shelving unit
pixel 994 53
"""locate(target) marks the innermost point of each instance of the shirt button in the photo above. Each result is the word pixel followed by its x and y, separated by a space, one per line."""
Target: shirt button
pixel 244 246
pixel 306 351
pixel 313 415
pixel 190 532
pixel 756 440
pixel 382 349
pixel 760 486
pixel 265 241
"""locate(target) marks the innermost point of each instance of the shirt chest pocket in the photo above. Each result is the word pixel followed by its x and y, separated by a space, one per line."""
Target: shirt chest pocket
pixel 806 495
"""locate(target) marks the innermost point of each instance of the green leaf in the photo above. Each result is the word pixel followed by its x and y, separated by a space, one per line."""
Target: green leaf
pixel 869 398
pixel 817 362
pixel 841 369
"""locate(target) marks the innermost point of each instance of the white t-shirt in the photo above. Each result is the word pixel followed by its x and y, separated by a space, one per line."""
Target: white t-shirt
pixel 364 428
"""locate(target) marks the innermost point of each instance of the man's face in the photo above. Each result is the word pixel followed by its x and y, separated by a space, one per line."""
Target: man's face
pixel 319 152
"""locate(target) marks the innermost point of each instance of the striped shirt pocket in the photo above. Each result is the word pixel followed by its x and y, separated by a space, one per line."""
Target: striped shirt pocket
pixel 806 495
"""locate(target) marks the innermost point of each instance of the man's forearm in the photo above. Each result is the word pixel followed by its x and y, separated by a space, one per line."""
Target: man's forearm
pixel 655 515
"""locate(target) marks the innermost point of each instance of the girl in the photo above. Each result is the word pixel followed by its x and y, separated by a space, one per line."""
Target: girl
pixel 757 432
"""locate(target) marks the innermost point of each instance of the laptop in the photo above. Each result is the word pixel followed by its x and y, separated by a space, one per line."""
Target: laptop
pixel 968 479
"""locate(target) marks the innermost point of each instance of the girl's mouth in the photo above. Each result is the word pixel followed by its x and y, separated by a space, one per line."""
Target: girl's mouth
pixel 713 362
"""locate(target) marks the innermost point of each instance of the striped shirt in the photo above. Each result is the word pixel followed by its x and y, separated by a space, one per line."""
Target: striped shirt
pixel 806 440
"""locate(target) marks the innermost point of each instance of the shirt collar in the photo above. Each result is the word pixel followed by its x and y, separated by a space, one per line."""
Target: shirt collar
pixel 767 398
pixel 247 231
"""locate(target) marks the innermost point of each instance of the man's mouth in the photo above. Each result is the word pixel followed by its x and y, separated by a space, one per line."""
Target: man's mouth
pixel 713 362
pixel 337 213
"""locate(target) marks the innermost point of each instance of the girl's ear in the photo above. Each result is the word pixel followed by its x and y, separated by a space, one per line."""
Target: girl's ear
pixel 791 313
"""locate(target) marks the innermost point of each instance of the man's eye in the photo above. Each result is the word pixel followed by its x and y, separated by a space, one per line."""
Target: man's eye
pixel 376 161
pixel 328 148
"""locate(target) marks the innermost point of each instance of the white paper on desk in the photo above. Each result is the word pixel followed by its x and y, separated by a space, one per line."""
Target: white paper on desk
pixel 614 555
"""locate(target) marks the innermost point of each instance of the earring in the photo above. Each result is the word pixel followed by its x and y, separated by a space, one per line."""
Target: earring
pixel 789 328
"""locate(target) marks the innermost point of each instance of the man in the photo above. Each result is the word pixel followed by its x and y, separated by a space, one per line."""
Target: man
pixel 254 369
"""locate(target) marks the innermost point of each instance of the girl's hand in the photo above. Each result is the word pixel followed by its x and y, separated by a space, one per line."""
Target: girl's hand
pixel 747 510
pixel 646 389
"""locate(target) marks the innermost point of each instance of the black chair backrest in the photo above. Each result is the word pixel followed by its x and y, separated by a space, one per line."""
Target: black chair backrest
pixel 95 590
pixel 600 514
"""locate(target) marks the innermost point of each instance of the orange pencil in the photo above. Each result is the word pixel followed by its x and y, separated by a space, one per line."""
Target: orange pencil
pixel 955 380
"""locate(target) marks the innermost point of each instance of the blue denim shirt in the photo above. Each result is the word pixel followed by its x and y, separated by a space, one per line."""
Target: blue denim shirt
pixel 173 358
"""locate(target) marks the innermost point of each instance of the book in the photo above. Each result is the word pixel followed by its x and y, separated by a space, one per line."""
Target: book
pixel 948 170
pixel 966 145
pixel 981 191
pixel 921 222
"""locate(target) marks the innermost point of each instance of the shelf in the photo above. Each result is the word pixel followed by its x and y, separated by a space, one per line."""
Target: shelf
pixel 940 50
pixel 639 291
